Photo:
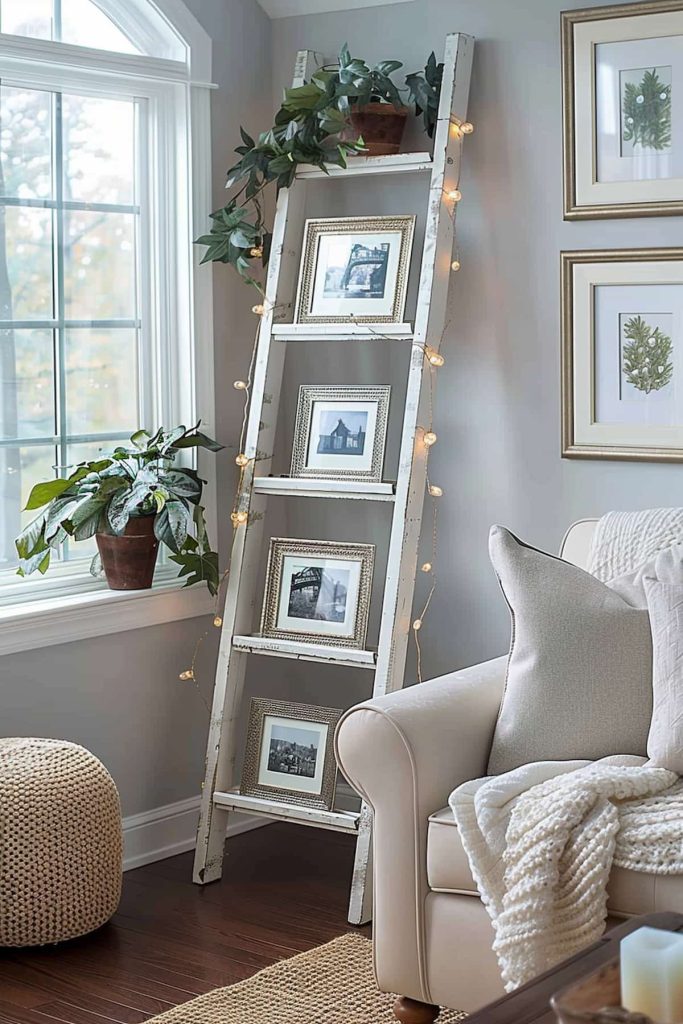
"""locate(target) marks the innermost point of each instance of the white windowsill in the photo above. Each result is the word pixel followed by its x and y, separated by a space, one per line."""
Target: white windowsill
pixel 57 620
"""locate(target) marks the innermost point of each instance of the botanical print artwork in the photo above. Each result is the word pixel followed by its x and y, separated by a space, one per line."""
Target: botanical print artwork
pixel 646 355
pixel 317 592
pixel 645 109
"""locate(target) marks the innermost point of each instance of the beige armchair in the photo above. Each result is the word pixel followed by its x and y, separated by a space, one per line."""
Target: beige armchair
pixel 405 753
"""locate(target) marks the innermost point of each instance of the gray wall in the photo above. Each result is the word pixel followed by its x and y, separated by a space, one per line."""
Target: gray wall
pixel 120 695
pixel 498 404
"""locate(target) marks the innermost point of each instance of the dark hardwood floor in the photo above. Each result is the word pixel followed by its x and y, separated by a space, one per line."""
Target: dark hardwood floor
pixel 284 890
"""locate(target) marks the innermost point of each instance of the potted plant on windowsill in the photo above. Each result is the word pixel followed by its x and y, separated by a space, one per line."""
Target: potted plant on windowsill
pixel 131 501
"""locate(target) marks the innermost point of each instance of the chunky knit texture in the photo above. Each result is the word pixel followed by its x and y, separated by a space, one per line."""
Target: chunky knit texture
pixel 60 842
pixel 541 841
pixel 623 541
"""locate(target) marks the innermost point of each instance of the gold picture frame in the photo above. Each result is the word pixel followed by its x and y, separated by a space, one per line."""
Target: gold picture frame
pixel 628 275
pixel 329 291
pixel 582 31
pixel 289 756
pixel 332 463
pixel 327 596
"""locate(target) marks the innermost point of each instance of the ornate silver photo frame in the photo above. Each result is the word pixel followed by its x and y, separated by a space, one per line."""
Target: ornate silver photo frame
pixel 340 432
pixel 289 755
pixel 318 591
pixel 354 269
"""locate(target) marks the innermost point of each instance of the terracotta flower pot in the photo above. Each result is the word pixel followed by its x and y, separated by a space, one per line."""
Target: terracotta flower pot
pixel 381 127
pixel 128 561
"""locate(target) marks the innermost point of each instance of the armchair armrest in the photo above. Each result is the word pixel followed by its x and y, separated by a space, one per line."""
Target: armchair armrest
pixel 404 753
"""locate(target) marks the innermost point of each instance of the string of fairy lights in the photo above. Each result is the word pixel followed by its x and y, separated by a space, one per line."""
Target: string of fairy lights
pixel 239 517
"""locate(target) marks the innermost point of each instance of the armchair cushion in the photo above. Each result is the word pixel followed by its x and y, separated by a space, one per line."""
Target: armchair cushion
pixel 579 678
pixel 629 892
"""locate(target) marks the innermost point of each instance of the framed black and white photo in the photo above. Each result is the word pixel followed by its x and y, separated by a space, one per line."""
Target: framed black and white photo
pixel 622 342
pixel 289 755
pixel 354 269
pixel 340 432
pixel 623 110
pixel 318 591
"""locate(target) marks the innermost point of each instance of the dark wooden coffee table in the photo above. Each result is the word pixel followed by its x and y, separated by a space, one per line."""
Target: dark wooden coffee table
pixel 531 1003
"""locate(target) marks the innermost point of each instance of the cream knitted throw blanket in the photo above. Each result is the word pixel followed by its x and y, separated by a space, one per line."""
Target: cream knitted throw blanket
pixel 541 841
pixel 623 541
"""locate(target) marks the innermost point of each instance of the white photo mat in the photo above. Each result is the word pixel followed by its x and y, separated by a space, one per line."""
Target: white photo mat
pixel 604 416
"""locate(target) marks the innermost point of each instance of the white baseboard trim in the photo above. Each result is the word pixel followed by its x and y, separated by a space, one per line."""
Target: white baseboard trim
pixel 165 831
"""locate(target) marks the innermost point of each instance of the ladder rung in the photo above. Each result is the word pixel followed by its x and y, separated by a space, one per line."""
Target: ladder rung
pixel 343 332
pixel 319 487
pixel 338 821
pixel 304 651
pixel 398 163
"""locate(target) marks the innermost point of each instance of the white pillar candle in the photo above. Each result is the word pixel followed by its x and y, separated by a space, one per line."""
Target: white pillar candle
pixel 652 974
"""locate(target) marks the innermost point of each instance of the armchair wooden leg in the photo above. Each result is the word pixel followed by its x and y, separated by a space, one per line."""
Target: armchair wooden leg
pixel 410 1011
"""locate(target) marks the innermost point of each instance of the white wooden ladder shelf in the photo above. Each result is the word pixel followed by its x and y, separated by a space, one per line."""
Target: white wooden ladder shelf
pixel 434 178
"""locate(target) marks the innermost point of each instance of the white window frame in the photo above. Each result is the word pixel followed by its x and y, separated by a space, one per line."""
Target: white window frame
pixel 67 605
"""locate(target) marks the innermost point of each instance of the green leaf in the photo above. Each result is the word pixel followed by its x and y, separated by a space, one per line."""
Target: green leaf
pixel 96 565
pixel 200 440
pixel 171 525
pixel 28 541
pixel 247 139
pixel 181 483
pixel 40 561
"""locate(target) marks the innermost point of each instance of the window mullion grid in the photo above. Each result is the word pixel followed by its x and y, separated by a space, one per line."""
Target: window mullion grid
pixel 60 334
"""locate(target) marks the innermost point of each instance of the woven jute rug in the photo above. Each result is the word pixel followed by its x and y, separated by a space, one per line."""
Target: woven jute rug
pixel 332 984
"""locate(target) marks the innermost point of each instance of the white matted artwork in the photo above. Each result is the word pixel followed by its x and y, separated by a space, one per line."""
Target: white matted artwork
pixel 318 591
pixel 340 432
pixel 623 354
pixel 354 268
pixel 289 755
pixel 623 110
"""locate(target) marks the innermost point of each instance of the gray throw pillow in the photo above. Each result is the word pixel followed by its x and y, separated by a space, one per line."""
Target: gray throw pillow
pixel 579 676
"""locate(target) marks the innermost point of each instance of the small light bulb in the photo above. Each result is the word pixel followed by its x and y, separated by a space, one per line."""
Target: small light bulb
pixel 455 194
pixel 258 309
pixel 467 127
pixel 242 460
pixel 417 624
pixel 426 567
pixel 237 518
pixel 455 265
pixel 429 438
pixel 239 385
pixel 256 251
pixel 435 491
pixel 187 674
pixel 218 622
pixel 457 130
pixel 435 358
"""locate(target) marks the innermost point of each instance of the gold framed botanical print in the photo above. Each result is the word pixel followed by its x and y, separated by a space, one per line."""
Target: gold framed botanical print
pixel 622 70
pixel 622 354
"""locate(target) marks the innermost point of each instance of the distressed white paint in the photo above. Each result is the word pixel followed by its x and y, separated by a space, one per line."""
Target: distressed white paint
pixel 399 163
pixel 312 487
pixel 219 795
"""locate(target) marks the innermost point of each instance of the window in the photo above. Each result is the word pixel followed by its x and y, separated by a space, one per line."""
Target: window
pixel 96 227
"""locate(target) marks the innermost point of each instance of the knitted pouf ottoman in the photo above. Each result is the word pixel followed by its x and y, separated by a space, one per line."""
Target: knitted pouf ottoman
pixel 60 842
